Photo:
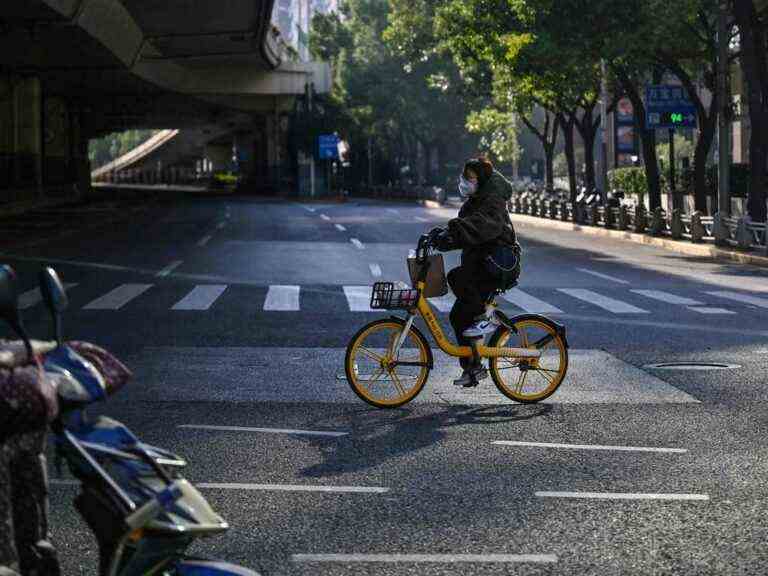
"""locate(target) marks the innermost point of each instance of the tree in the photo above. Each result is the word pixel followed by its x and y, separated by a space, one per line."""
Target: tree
pixel 752 39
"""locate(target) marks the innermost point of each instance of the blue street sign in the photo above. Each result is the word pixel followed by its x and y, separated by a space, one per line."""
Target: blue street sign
pixel 328 145
pixel 668 106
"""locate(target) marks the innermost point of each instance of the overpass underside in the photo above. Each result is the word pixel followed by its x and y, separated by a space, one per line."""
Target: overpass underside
pixel 72 70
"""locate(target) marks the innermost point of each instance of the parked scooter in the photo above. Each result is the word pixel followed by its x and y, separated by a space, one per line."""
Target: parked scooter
pixel 143 513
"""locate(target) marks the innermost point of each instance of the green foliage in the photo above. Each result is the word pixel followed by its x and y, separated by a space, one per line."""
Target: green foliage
pixel 102 151
pixel 499 133
pixel 631 180
pixel 683 149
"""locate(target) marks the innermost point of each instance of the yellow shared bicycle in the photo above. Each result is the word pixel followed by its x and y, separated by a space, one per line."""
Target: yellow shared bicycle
pixel 388 361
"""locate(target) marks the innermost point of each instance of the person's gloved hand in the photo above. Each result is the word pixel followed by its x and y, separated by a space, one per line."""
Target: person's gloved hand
pixel 444 241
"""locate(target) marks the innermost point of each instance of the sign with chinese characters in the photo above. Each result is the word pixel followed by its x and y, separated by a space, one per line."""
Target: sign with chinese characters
pixel 328 145
pixel 668 106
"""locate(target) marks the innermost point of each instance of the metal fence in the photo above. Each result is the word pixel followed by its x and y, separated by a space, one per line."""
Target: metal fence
pixel 739 232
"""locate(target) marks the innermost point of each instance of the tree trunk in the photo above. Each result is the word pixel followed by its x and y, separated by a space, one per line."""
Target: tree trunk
pixel 588 131
pixel 700 153
pixel 753 62
pixel 548 139
pixel 648 138
pixel 570 154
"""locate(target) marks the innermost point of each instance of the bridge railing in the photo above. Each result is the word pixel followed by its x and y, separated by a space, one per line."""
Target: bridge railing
pixel 741 233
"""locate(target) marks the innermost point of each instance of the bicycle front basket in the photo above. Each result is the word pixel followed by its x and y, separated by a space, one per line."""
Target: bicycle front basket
pixel 385 297
pixel 435 283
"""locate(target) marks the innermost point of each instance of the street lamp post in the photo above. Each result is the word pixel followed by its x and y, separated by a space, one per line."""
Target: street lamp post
pixel 603 172
pixel 723 99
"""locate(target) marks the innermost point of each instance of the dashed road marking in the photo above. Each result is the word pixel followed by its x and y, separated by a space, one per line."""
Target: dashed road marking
pixel 359 245
pixel 293 487
pixel 622 496
pixel 604 302
pixel 33 297
pixel 325 217
pixel 668 298
pixel 282 298
pixel 264 430
pixel 588 446
pixel 529 303
pixel 433 558
pixel 201 297
pixel 203 241
pixel 420 219
pixel 375 269
pixel 359 298
pixel 603 276
pixel 340 228
pixel 117 298
pixel 707 310
pixel 738 297
pixel 170 268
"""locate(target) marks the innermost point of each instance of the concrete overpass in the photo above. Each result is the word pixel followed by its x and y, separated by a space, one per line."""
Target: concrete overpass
pixel 71 70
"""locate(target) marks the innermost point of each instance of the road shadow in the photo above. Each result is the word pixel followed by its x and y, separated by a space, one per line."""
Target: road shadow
pixel 377 436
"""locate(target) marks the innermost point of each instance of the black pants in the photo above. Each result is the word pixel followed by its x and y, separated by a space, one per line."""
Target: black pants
pixel 473 288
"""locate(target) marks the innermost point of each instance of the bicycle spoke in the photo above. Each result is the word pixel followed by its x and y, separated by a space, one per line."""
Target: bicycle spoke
pixel 396 380
pixel 521 381
pixel 370 354
pixel 546 378
pixel 376 376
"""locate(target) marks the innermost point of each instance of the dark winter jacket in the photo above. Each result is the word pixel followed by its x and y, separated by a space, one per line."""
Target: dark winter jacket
pixel 483 222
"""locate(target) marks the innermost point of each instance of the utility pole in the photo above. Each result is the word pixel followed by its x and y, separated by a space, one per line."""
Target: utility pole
pixel 723 122
pixel 603 170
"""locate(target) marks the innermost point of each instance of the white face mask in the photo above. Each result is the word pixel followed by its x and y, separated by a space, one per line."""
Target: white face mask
pixel 466 187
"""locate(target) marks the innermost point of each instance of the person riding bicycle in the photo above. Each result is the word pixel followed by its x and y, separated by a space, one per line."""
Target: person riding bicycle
pixel 482 226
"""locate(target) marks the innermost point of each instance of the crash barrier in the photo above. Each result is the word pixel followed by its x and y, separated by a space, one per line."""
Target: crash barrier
pixel 739 232
pixel 434 193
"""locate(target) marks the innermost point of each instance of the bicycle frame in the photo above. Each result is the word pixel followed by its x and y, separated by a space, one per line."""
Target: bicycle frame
pixel 425 310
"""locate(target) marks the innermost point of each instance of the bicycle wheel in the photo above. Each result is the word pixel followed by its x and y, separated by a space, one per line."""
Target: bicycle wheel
pixel 529 380
pixel 379 378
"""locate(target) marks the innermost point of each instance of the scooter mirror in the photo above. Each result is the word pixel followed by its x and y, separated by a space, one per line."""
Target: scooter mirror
pixel 9 304
pixel 55 298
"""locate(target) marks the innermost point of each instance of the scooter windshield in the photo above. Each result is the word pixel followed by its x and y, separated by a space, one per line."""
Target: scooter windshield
pixel 84 383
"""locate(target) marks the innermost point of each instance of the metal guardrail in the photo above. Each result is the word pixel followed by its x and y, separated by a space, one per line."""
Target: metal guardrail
pixel 737 232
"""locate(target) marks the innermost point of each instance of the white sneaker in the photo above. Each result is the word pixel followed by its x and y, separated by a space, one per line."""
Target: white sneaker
pixel 481 327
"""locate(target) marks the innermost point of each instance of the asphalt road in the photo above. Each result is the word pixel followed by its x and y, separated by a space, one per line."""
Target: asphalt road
pixel 234 314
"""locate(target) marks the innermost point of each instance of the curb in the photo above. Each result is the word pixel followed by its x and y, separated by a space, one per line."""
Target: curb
pixel 688 248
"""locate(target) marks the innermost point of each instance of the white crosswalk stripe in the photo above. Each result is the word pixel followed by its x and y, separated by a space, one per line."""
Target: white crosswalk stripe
pixel 33 297
pixel 739 297
pixel 282 298
pixel 117 298
pixel 359 298
pixel 668 298
pixel 604 302
pixel 201 297
pixel 529 303
pixel 443 303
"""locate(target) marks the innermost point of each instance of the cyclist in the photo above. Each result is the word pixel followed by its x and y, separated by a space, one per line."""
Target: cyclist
pixel 482 225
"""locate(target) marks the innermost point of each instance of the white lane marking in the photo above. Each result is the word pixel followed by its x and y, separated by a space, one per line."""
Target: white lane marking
pixel 668 298
pixel 359 298
pixel 117 298
pixel 340 228
pixel 293 487
pixel 307 208
pixel 589 446
pixel 707 310
pixel 282 298
pixel 622 496
pixel 443 303
pixel 375 269
pixel 529 303
pixel 205 240
pixel 603 276
pixel 220 225
pixel 170 268
pixel 201 297
pixel 359 245
pixel 33 297
pixel 265 430
pixel 440 558
pixel 326 218
pixel 420 219
pixel 738 297
pixel 604 302
pixel 393 211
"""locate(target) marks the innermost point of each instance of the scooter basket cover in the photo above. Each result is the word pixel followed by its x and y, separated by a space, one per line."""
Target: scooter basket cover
pixel 115 373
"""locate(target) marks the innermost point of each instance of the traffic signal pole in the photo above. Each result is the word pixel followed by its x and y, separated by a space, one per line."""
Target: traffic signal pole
pixel 723 100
